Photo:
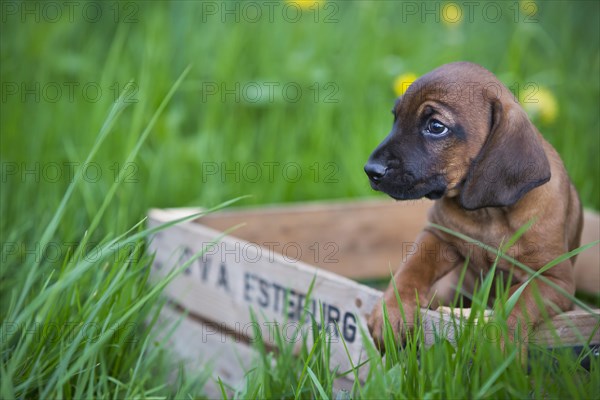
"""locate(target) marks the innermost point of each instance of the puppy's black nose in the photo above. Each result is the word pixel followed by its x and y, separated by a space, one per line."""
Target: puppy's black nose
pixel 375 171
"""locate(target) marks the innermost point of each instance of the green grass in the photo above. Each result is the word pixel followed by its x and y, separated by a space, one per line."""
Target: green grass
pixel 74 297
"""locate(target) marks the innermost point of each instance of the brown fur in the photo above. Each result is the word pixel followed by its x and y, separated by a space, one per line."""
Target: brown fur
pixel 491 174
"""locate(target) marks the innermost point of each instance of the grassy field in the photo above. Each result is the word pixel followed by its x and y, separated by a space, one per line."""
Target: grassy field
pixel 101 119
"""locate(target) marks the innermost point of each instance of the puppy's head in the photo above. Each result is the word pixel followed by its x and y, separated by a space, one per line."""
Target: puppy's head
pixel 458 131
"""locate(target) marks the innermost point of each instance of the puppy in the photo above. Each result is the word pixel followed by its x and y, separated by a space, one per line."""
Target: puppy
pixel 461 138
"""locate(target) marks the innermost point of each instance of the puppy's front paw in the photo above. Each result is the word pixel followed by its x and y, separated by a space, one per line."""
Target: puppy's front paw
pixel 399 325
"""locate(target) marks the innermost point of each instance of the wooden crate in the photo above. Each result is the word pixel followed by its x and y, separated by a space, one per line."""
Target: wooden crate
pixel 273 258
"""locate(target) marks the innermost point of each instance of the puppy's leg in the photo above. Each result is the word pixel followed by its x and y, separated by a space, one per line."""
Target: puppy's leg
pixel 539 300
pixel 431 259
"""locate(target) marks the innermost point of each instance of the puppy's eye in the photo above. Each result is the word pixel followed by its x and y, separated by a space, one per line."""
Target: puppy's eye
pixel 436 128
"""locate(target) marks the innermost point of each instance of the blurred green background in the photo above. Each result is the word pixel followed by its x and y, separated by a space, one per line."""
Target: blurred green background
pixel 275 91
pixel 284 101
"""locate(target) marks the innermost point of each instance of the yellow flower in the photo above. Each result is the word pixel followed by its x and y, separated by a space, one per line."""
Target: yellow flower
pixel 539 102
pixel 451 14
pixel 306 4
pixel 403 81
pixel 528 7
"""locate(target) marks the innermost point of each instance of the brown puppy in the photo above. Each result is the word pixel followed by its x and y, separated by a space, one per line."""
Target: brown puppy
pixel 461 137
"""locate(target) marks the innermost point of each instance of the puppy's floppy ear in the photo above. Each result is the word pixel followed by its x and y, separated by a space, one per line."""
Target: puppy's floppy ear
pixel 511 162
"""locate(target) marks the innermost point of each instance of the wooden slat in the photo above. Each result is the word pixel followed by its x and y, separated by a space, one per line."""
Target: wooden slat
pixel 587 266
pixel 202 347
pixel 568 329
pixel 355 239
pixel 572 328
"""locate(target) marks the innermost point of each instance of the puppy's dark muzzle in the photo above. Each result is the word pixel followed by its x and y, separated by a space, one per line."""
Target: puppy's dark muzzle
pixel 375 171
